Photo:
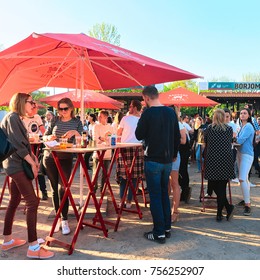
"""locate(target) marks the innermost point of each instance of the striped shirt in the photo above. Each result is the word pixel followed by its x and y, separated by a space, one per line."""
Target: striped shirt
pixel 59 128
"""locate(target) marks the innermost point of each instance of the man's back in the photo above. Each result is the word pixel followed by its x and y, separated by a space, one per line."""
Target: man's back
pixel 128 124
pixel 158 127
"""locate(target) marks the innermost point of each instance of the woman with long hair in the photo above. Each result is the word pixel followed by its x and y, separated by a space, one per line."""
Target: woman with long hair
pixel 174 176
pixel 198 140
pixel 219 163
pixel 66 125
pixel 21 104
pixel 245 155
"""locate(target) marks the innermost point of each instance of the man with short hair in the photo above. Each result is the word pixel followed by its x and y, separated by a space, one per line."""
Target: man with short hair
pixel 126 130
pixel 159 129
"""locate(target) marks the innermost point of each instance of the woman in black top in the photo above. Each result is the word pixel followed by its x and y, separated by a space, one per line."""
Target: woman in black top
pixel 219 164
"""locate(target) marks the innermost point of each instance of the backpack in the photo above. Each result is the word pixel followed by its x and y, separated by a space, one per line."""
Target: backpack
pixel 6 147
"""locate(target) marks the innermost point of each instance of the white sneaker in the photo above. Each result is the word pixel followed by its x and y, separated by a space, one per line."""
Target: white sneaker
pixel 65 227
pixel 235 180
pixel 58 226
pixel 252 185
pixel 41 240
pixel 128 205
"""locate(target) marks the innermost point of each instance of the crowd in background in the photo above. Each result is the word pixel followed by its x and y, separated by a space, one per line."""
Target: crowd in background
pixel 224 147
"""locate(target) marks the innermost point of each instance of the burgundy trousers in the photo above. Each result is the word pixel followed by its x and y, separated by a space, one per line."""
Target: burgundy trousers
pixel 21 186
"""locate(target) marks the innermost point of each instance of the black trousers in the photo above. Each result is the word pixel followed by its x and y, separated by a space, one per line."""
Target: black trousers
pixel 220 187
pixel 58 189
pixel 184 179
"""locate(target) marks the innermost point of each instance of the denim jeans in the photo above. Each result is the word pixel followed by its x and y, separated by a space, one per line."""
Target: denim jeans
pixel 122 183
pixel 157 178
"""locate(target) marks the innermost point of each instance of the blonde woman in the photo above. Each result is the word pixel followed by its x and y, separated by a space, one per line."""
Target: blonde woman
pixel 219 163
pixel 21 104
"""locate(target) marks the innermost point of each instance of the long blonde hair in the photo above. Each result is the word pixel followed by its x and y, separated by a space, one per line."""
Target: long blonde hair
pixel 218 120
pixel 17 103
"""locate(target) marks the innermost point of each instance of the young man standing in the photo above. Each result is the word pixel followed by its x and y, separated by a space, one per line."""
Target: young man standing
pixel 126 130
pixel 159 129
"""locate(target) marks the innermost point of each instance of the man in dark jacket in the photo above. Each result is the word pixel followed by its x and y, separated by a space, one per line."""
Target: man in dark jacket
pixel 158 128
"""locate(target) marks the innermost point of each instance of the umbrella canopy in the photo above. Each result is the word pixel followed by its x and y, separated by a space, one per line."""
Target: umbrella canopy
pixel 92 99
pixel 78 61
pixel 185 98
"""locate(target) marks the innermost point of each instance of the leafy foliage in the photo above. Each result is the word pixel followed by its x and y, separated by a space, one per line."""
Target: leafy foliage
pixel 105 32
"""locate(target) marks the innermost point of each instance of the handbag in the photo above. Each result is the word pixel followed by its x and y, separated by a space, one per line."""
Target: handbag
pixel 42 170
pixel 27 169
pixel 6 147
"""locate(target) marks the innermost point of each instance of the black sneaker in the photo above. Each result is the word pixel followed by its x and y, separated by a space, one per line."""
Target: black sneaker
pixel 241 203
pixel 152 237
pixel 230 213
pixel 187 199
pixel 168 233
pixel 44 196
pixel 247 211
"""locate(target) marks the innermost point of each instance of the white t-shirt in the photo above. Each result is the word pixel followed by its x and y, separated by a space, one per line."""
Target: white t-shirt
pixel 99 130
pixel 129 124
pixel 32 124
pixel 234 126
pixel 188 129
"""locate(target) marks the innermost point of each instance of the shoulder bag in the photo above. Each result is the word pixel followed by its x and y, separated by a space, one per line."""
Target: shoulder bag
pixel 6 147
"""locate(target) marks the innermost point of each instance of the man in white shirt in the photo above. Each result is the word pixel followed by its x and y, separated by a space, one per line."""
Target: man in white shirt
pixel 126 130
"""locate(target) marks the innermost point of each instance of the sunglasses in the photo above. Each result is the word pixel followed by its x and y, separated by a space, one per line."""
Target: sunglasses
pixel 63 109
pixel 31 102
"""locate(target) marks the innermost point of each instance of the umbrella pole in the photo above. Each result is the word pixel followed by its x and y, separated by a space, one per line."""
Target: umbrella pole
pixel 82 117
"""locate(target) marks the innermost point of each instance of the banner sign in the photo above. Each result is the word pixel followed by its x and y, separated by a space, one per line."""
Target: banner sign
pixel 230 86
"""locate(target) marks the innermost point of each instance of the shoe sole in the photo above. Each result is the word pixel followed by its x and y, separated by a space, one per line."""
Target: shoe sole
pixel 40 258
pixel 12 247
pixel 159 240
pixel 230 217
pixel 247 214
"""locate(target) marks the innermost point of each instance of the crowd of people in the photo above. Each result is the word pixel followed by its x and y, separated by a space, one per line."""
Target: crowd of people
pixel 223 147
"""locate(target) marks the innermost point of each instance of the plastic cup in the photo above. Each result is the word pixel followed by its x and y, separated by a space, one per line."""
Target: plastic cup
pixel 78 141
pixel 36 137
pixel 63 143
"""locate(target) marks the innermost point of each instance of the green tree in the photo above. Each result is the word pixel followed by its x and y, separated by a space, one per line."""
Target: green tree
pixel 251 77
pixel 105 32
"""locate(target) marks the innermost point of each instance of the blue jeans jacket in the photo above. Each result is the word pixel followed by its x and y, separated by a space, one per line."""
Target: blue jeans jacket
pixel 157 178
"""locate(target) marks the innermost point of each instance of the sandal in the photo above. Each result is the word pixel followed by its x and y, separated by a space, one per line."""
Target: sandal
pixel 175 217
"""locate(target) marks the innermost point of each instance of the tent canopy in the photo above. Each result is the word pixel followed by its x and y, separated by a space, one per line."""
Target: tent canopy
pixel 92 99
pixel 185 98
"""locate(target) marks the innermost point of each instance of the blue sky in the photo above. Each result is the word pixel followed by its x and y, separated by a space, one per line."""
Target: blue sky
pixel 211 38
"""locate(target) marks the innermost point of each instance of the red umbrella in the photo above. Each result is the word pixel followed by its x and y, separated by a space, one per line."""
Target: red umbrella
pixel 92 99
pixel 78 61
pixel 185 98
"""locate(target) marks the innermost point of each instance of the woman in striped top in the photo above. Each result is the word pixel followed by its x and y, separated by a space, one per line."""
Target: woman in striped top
pixel 66 125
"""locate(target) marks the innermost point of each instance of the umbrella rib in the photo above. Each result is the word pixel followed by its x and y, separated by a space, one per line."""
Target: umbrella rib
pixel 117 72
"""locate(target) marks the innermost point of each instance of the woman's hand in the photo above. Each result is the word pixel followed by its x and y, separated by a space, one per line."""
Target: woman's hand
pixel 70 134
pixel 49 137
pixel 35 169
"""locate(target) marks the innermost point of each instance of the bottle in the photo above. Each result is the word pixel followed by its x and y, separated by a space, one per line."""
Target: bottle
pixel 113 140
pixel 84 141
